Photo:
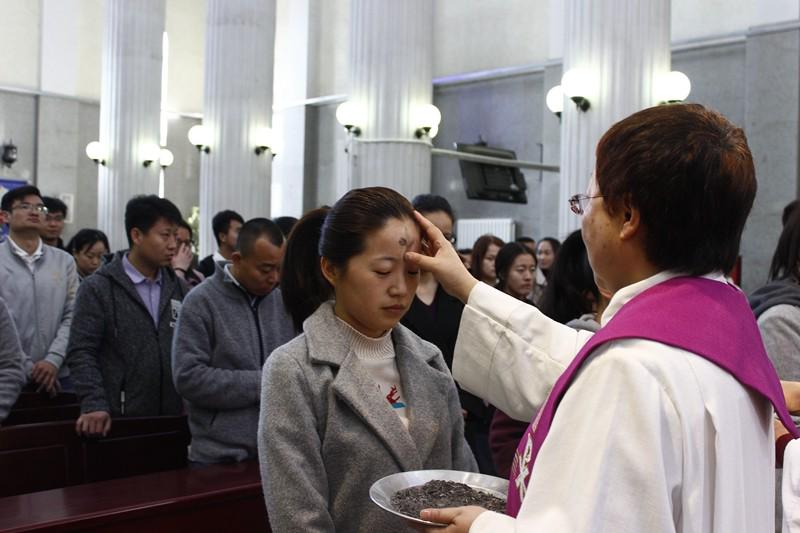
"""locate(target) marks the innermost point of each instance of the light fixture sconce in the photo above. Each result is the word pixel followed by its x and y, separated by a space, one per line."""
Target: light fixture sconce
pixel 165 157
pixel 264 141
pixel 350 115
pixel 200 136
pixel 555 101
pixel 674 87
pixel 575 83
pixel 426 117
pixel 96 152
pixel 150 153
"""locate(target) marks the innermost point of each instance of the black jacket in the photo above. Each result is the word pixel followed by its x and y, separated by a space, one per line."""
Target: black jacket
pixel 119 360
pixel 438 324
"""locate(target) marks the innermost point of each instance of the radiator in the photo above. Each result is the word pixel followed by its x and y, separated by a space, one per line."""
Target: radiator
pixel 469 229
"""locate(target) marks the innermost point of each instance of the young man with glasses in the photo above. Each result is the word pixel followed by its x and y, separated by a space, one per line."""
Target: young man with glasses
pixel 39 284
pixel 228 326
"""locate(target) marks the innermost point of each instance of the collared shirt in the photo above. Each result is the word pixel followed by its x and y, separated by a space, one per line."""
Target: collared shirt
pixel 254 300
pixel 29 259
pixel 149 290
pixel 217 257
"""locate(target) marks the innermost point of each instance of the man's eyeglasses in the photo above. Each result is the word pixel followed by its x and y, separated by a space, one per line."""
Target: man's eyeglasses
pixel 25 206
pixel 451 238
pixel 54 217
pixel 577 202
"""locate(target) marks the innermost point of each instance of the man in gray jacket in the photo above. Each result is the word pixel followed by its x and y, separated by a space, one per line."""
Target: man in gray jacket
pixel 11 376
pixel 228 326
pixel 125 315
pixel 38 283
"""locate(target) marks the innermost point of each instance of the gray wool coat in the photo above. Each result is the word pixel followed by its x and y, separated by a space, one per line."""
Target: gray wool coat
pixel 326 434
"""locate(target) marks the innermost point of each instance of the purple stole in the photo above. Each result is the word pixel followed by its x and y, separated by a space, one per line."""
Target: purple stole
pixel 708 318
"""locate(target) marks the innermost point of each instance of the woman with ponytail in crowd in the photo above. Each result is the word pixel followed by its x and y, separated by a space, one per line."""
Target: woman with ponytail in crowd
pixel 356 396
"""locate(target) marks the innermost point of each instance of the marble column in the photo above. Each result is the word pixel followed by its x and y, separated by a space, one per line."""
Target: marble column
pixel 391 69
pixel 129 109
pixel 622 47
pixel 237 103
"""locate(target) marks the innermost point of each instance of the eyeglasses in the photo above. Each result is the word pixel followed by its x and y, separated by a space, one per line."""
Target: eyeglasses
pixel 54 217
pixel 451 238
pixel 25 206
pixel 577 202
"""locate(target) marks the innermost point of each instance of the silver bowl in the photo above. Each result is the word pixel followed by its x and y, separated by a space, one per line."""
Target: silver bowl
pixel 381 491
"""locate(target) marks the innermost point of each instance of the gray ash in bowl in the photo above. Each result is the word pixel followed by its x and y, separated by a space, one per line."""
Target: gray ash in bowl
pixel 437 494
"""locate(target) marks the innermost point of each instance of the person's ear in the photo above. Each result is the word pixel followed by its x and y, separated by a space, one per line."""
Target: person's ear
pixel 136 236
pixel 631 221
pixel 329 272
pixel 236 257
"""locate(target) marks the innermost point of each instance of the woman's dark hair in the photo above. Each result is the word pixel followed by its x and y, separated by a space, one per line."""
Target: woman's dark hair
pixel 690 174
pixel 86 238
pixel 786 259
pixel 571 283
pixel 431 203
pixel 302 285
pixel 505 258
pixel 337 234
pixel 479 250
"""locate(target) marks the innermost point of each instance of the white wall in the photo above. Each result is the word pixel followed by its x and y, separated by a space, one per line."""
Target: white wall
pixel 71 47
pixel 692 19
pixel 329 59
pixel 186 27
pixel 473 35
pixel 19 42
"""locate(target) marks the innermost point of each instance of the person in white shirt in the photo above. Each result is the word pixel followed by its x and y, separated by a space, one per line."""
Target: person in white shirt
pixel 662 421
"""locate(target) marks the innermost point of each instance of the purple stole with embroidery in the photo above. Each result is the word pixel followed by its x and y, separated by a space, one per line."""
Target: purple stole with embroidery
pixel 706 317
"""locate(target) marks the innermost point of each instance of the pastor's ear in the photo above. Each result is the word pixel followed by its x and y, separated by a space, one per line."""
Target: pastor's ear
pixel 631 221
pixel 329 272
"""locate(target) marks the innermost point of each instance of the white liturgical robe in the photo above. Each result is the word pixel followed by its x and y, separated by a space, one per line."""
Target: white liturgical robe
pixel 648 439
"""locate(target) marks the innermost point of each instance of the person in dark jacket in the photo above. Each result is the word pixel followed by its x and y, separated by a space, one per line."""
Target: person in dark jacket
pixel 125 315
pixel 434 315
pixel 226 225
pixel 228 327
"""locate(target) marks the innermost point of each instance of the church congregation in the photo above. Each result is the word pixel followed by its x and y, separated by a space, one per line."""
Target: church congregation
pixel 368 265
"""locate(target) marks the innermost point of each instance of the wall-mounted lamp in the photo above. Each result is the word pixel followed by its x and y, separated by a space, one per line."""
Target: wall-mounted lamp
pixel 96 152
pixel 165 157
pixel 674 87
pixel 150 153
pixel 9 156
pixel 264 141
pixel 350 115
pixel 555 100
pixel 576 83
pixel 200 136
pixel 426 117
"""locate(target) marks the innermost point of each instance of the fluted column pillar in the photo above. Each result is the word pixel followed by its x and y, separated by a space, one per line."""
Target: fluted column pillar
pixel 237 103
pixel 391 69
pixel 622 47
pixel 129 109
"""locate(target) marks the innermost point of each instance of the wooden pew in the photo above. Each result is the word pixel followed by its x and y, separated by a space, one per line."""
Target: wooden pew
pixel 37 457
pixel 225 498
pixel 37 407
